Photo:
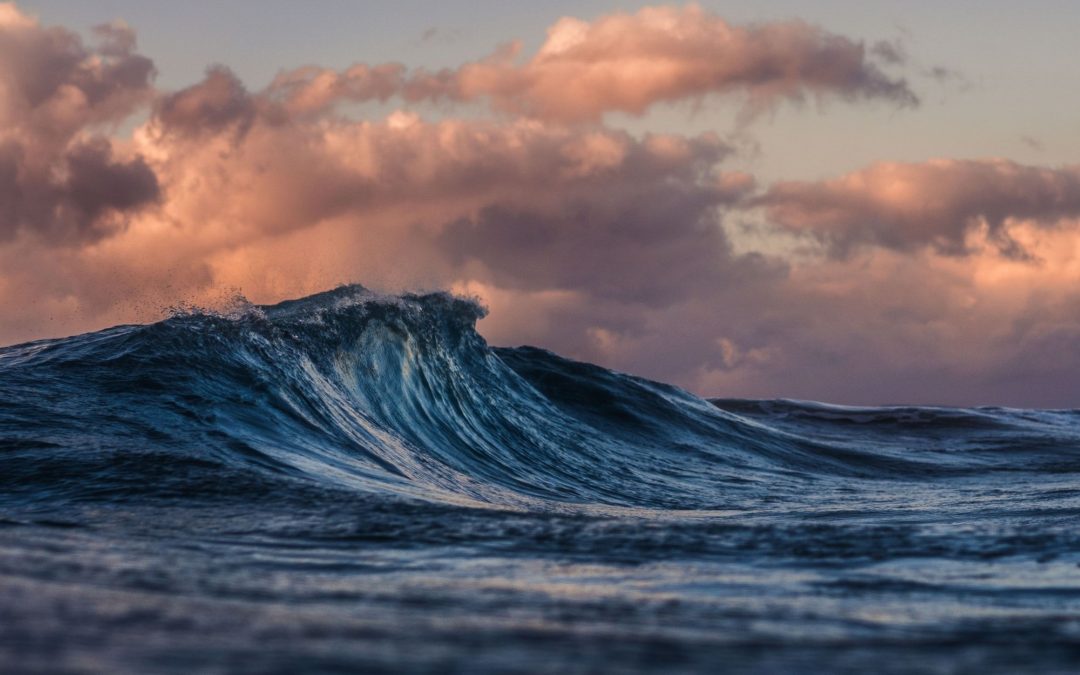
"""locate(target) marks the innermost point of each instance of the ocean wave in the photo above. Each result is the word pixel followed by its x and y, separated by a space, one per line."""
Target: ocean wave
pixel 399 396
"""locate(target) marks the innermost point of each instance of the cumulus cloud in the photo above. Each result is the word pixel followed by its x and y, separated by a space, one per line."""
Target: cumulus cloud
pixel 217 103
pixel 940 204
pixel 288 172
pixel 60 178
pixel 651 244
pixel 601 244
pixel 246 179
pixel 628 63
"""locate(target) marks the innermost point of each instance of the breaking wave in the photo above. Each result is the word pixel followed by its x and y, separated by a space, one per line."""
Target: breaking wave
pixel 400 396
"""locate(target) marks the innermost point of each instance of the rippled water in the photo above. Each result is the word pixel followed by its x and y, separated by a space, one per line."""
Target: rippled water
pixel 353 482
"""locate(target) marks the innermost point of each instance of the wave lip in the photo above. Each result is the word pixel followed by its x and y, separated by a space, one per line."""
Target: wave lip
pixel 399 396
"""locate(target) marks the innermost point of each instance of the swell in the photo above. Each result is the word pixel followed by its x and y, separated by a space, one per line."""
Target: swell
pixel 399 396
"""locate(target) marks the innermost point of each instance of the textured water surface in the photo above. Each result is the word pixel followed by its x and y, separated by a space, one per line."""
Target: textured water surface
pixel 358 483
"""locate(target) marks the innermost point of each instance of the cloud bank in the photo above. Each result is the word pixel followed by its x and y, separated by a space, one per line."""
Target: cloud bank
pixel 949 281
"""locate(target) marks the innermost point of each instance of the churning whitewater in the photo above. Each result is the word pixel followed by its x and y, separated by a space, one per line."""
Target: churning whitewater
pixel 358 481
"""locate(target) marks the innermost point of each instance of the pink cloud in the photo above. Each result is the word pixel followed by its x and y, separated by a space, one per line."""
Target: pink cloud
pixel 629 63
pixel 313 90
pixel 219 102
pixel 595 242
pixel 940 204
pixel 61 179
pixel 399 202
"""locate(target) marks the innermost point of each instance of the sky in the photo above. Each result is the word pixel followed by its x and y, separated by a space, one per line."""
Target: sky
pixel 862 203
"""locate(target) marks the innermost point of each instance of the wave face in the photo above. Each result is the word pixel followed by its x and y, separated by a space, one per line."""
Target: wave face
pixel 364 478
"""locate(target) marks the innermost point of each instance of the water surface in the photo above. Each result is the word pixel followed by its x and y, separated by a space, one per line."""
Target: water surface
pixel 358 483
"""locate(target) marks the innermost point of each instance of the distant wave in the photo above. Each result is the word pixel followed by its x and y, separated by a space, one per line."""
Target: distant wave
pixel 399 396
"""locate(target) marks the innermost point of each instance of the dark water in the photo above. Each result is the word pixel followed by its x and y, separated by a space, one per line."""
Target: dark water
pixel 356 483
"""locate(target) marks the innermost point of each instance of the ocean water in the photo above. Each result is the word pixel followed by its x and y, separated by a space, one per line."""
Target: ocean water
pixel 358 483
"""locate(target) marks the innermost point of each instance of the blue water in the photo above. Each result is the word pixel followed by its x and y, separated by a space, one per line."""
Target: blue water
pixel 358 483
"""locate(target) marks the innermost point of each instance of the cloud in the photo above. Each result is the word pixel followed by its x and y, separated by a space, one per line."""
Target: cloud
pixel 629 63
pixel 117 39
pixel 217 103
pixel 244 182
pixel 600 244
pixel 60 178
pixel 940 204
pixel 650 243
pixel 292 172
pixel 313 90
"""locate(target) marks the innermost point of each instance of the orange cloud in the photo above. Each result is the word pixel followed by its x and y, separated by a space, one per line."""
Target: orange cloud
pixel 594 242
pixel 280 204
pixel 628 63
pixel 941 203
